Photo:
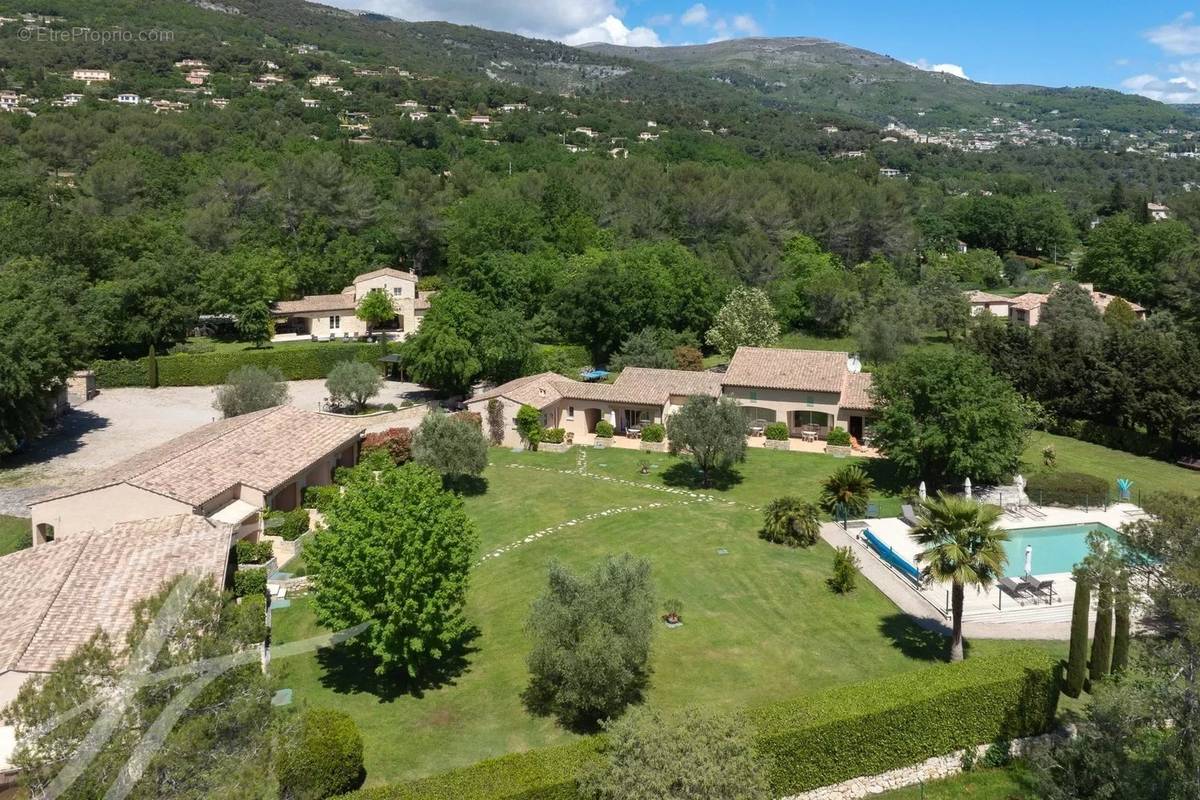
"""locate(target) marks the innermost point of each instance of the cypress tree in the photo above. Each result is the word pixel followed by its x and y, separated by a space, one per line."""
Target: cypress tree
pixel 1102 639
pixel 1120 651
pixel 152 369
pixel 1077 660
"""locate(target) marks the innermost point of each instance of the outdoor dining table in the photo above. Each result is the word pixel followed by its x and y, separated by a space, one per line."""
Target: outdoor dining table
pixel 633 432
pixel 756 430
pixel 808 436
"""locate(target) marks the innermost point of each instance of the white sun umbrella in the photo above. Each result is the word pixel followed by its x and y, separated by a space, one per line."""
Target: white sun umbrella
pixel 921 490
pixel 1028 560
pixel 967 487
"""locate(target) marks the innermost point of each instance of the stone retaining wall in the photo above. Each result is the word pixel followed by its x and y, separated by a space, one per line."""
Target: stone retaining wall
pixel 929 770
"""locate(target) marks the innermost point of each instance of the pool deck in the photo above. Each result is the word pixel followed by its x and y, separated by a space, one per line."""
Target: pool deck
pixel 989 614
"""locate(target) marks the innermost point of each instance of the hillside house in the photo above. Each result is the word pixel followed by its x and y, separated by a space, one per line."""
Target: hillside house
pixel 810 391
pixel 226 472
pixel 90 76
pixel 323 80
pixel 332 316
pixel 1158 212
pixel 1026 309
pixel 129 98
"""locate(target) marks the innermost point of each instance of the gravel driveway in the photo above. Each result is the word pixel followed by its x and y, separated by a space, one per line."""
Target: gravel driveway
pixel 121 422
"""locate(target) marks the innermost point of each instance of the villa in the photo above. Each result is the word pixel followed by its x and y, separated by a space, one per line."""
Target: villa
pixel 810 391
pixel 226 472
pixel 1026 309
pixel 332 316
pixel 90 76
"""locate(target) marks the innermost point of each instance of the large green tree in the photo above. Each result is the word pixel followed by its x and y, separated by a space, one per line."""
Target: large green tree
pixel 395 552
pixel 943 415
pixel 712 430
pixel 591 636
pixel 746 320
pixel 451 445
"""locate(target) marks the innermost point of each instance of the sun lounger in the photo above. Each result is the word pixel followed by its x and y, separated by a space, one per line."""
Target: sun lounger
pixel 1041 588
pixel 1034 511
pixel 1016 588
pixel 908 516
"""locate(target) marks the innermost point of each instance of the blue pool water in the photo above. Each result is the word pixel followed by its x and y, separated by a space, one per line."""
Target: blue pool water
pixel 1056 548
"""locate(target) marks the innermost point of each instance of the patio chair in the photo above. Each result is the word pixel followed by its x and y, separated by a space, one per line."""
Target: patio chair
pixel 314 337
pixel 872 511
pixel 1014 587
pixel 908 516
pixel 1041 588
pixel 1034 511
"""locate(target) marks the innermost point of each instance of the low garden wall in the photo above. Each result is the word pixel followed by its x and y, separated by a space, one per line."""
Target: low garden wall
pixel 814 740
pixel 296 362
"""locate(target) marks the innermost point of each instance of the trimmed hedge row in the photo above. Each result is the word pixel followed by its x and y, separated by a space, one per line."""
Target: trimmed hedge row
pixel 295 361
pixel 546 774
pixel 813 740
pixel 1066 489
pixel 873 727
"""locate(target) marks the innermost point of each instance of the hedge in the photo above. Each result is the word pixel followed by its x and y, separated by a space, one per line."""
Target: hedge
pixel 1066 489
pixel 288 525
pixel 324 759
pixel 777 432
pixel 813 740
pixel 546 774
pixel 873 727
pixel 295 361
pixel 247 582
pixel 654 432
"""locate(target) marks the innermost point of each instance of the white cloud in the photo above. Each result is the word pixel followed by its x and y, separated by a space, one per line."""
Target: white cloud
pixel 1180 89
pixel 570 21
pixel 744 23
pixel 660 20
pixel 949 69
pixel 614 31
pixel 1179 37
pixel 696 15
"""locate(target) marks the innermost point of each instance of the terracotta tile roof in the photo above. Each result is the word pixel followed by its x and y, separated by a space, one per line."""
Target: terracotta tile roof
pixel 390 272
pixel 316 303
pixel 538 390
pixel 580 390
pixel 774 368
pixel 1029 301
pixel 986 297
pixel 54 596
pixel 856 393
pixel 654 386
pixel 264 450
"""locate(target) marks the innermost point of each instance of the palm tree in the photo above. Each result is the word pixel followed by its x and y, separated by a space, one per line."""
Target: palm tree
pixel 962 545
pixel 791 521
pixel 847 491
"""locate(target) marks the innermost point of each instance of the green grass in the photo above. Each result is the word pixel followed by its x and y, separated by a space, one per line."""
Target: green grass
pixel 760 623
pixel 14 534
pixel 1148 475
pixel 226 346
pixel 982 784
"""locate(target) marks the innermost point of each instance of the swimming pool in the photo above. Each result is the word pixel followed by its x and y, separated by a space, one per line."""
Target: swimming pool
pixel 1056 548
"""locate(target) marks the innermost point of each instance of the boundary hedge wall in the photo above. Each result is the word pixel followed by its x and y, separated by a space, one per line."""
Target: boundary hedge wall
pixel 813 740
pixel 295 361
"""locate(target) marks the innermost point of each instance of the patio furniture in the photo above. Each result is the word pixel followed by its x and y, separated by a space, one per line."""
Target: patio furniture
pixel 872 510
pixel 315 338
pixel 1041 588
pixel 633 432
pixel 569 438
pixel 1014 587
pixel 808 436
pixel 908 516
pixel 757 430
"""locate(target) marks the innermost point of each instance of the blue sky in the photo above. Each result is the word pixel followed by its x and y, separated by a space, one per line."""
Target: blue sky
pixel 1152 50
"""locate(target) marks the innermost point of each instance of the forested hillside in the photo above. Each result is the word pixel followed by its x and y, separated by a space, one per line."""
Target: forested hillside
pixel 613 199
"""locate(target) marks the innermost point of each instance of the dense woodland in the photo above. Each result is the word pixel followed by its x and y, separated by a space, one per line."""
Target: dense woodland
pixel 119 225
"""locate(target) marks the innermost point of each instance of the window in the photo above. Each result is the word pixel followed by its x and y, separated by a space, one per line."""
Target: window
pixel 398 291
pixel 754 395
pixel 570 412
pixel 802 418
pixel 335 321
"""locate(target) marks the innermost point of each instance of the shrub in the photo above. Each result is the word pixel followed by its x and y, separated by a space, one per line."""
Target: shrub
pixel 324 757
pixel 838 437
pixel 319 497
pixel 1049 456
pixel 396 442
pixel 998 754
pixel 288 525
pixel 791 521
pixel 604 429
pixel 473 417
pixel 812 740
pixel 247 582
pixel 654 432
pixel 253 552
pixel 353 383
pixel 529 426
pixel 776 432
pixel 968 760
pixel 1066 489
pixel 845 571
pixel 688 358
pixel 250 389
pixel 294 361
pixel 450 445
pixel 554 435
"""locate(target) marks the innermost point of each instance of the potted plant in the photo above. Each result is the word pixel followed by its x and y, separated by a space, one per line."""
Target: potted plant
pixel 554 441
pixel 604 433
pixel 837 443
pixel 673 618
pixel 777 436
pixel 654 438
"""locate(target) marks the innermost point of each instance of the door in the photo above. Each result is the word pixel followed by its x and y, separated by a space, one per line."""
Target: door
pixel 856 428
pixel 591 417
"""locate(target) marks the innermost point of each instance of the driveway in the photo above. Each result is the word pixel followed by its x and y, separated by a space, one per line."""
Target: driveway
pixel 121 422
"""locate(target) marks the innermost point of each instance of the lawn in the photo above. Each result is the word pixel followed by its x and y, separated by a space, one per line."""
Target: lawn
pixel 760 623
pixel 14 534
pixel 983 784
pixel 1148 474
